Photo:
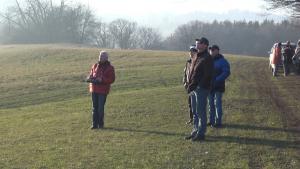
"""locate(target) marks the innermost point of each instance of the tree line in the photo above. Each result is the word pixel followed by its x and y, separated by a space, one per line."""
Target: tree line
pixel 42 21
pixel 238 37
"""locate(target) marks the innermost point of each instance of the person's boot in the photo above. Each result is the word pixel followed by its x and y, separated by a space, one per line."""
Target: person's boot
pixel 210 124
pixel 190 136
pixel 198 138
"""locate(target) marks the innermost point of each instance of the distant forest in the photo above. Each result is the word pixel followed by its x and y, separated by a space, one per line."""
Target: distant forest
pixel 40 21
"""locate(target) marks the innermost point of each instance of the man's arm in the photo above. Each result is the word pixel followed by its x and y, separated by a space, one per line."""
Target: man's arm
pixel 225 72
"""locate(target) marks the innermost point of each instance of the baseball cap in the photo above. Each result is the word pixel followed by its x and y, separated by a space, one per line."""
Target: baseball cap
pixel 193 48
pixel 213 47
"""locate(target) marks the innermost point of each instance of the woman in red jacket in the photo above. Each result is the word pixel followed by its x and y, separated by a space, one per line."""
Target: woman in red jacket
pixel 276 60
pixel 102 75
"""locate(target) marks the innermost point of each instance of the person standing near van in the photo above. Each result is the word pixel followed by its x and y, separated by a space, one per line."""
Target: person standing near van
pixel 287 55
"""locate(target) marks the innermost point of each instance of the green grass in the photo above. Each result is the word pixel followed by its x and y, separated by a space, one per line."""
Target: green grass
pixel 45 114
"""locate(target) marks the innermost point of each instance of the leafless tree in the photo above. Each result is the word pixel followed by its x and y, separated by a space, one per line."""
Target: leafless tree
pixel 293 5
pixel 102 36
pixel 42 21
pixel 123 32
pixel 149 38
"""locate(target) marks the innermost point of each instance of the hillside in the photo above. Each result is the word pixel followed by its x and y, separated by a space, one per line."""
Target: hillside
pixel 45 113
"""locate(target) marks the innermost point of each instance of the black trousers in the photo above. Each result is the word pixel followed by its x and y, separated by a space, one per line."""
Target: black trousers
pixel 286 67
pixel 98 109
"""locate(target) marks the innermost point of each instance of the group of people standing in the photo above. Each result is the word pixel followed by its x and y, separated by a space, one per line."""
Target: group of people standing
pixel 286 55
pixel 204 80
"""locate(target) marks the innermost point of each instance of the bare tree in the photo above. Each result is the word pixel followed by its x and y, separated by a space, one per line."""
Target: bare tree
pixel 123 32
pixel 293 5
pixel 102 36
pixel 149 38
pixel 88 21
pixel 185 34
pixel 41 21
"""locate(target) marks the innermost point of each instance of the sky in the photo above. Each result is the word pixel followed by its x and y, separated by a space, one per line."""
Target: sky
pixel 166 15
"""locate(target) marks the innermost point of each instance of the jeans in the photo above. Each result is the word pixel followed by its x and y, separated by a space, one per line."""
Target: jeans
pixel 199 102
pixel 190 108
pixel 98 109
pixel 215 107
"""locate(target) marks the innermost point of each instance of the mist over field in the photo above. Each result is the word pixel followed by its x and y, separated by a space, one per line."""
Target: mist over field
pixel 244 28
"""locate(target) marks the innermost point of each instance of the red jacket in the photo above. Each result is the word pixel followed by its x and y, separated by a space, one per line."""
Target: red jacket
pixel 105 73
pixel 276 55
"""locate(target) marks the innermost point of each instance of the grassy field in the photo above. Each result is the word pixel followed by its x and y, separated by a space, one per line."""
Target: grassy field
pixel 45 113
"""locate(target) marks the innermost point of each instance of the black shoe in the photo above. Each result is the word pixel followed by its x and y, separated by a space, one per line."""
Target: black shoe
pixel 198 138
pixel 100 127
pixel 209 123
pixel 189 137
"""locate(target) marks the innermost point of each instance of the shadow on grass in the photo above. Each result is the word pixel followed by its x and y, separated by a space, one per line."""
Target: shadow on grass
pixel 145 131
pixel 255 141
pixel 250 127
pixel 228 139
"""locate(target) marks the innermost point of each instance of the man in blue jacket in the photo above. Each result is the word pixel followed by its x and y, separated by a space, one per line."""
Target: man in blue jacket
pixel 221 73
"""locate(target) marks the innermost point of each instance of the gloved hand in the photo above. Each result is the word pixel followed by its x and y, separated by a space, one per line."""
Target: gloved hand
pixel 88 80
pixel 96 81
pixel 93 81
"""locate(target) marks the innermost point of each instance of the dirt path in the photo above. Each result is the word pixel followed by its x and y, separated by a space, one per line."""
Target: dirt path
pixel 279 93
pixel 284 93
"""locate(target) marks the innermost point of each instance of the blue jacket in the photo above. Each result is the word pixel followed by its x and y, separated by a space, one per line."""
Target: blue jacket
pixel 221 72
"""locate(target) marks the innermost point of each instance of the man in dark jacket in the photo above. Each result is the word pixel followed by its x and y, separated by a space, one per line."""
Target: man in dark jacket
pixel 201 73
pixel 221 73
pixel 287 55
pixel 193 54
pixel 101 76
pixel 296 58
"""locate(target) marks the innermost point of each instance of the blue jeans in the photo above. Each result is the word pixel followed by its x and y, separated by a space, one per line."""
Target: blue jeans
pixel 199 102
pixel 215 107
pixel 98 109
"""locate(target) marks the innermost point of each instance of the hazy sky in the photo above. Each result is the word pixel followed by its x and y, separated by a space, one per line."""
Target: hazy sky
pixel 167 14
pixel 134 7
